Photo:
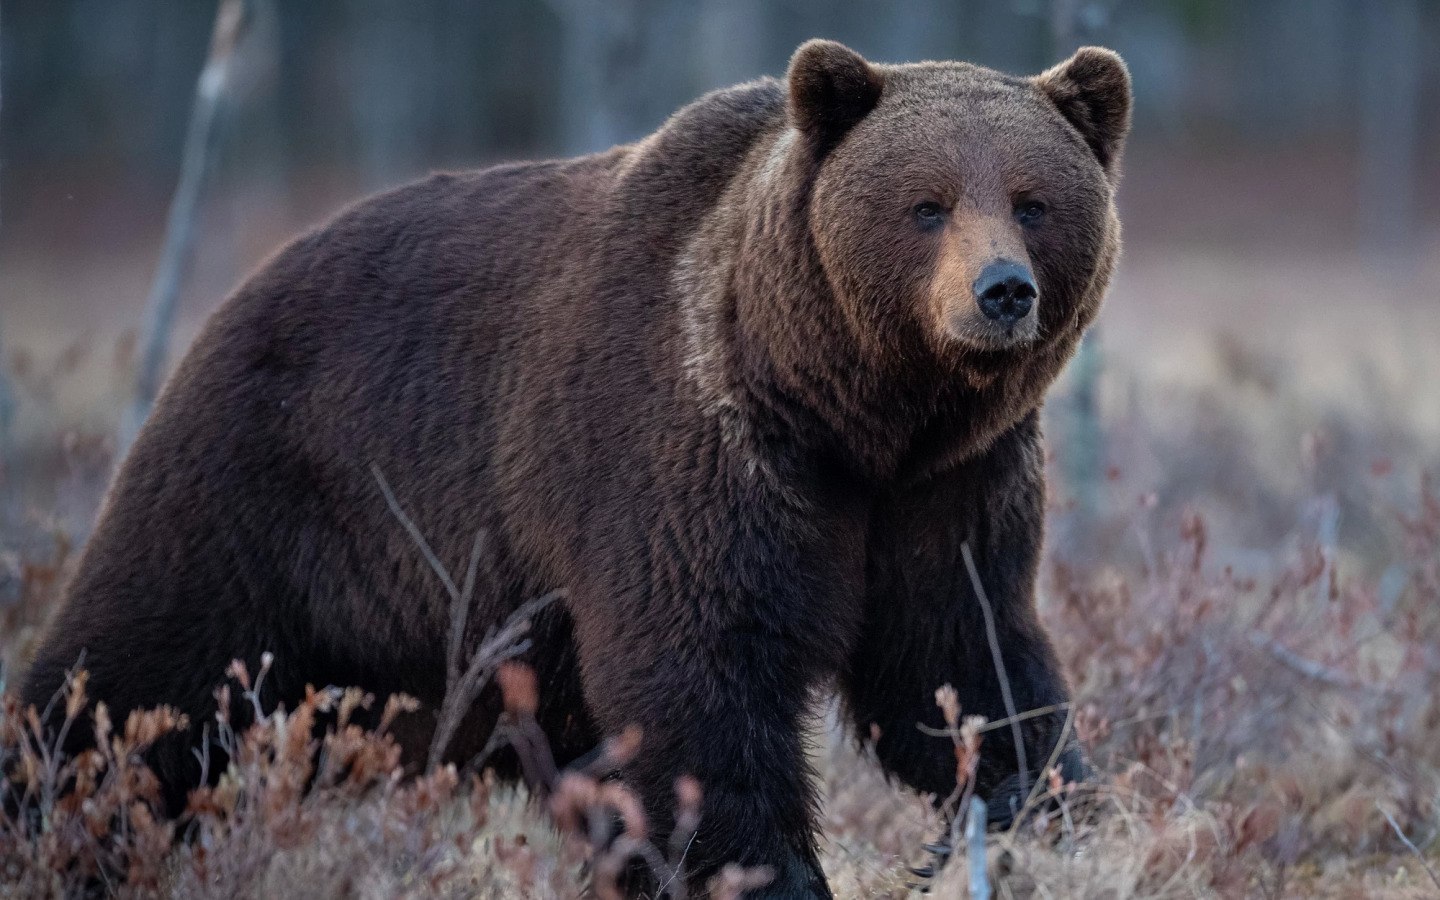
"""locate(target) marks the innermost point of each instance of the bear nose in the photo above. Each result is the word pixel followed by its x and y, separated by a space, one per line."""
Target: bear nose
pixel 1005 291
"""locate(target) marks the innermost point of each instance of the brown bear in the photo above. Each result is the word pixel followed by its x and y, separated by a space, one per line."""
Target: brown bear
pixel 743 390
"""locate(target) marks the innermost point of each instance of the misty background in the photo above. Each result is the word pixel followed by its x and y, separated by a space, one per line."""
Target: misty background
pixel 1281 199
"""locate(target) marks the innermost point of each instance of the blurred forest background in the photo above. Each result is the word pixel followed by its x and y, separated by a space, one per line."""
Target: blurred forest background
pixel 1244 555
pixel 1281 201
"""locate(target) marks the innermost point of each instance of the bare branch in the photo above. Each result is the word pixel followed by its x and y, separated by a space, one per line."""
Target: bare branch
pixel 508 643
pixel 1313 670
pixel 460 614
pixel 231 21
pixel 994 640
pixel 1409 845
pixel 414 531
pixel 998 723
pixel 464 680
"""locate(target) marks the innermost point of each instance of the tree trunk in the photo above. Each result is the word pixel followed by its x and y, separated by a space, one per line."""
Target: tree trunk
pixel 180 225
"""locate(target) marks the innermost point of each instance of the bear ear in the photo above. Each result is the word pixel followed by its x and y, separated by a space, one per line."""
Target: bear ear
pixel 831 88
pixel 1092 91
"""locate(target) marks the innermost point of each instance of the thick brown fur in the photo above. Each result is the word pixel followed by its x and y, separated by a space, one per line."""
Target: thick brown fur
pixel 718 385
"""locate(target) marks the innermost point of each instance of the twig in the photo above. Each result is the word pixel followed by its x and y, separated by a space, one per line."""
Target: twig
pixel 1313 670
pixel 994 641
pixel 414 531
pixel 1409 845
pixel 680 843
pixel 506 644
pixel 460 613
pixel 998 723
pixel 464 680
pixel 1059 748
pixel 498 740
pixel 231 21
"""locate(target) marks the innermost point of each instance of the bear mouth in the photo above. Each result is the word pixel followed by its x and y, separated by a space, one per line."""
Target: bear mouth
pixel 1012 337
pixel 984 335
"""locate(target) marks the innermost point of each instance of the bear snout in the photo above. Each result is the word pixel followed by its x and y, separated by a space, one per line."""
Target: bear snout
pixel 1005 291
pixel 986 299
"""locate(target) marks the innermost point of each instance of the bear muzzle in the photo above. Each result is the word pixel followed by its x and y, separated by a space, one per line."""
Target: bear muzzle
pixel 1000 311
pixel 987 300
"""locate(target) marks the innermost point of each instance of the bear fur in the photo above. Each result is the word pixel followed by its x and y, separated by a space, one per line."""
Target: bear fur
pixel 728 387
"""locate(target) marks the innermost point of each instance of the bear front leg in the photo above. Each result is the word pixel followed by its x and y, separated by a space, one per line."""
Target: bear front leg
pixel 730 713
pixel 926 627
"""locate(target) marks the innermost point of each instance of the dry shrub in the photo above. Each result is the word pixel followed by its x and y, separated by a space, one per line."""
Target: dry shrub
pixel 1258 698
pixel 1268 736
pixel 310 804
pixel 297 812
pixel 85 823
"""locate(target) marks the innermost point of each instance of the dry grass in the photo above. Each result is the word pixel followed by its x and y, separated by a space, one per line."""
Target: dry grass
pixel 1251 622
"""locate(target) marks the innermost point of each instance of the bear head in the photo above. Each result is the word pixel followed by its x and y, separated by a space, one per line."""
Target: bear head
pixel 961 216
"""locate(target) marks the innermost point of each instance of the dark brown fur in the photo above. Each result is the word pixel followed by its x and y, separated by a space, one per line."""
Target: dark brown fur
pixel 705 383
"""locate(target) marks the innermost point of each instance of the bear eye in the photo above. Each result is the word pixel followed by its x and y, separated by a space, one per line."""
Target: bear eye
pixel 1029 212
pixel 929 213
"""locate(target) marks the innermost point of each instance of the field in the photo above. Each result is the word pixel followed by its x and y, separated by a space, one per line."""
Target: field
pixel 1246 596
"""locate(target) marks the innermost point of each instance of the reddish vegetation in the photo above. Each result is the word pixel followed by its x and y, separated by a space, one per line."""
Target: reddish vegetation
pixel 1264 723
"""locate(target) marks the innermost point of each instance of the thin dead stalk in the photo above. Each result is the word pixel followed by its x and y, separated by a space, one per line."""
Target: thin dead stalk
pixel 464 679
pixel 506 643
pixel 1313 670
pixel 1055 752
pixel 993 638
pixel 1410 845
pixel 1028 714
